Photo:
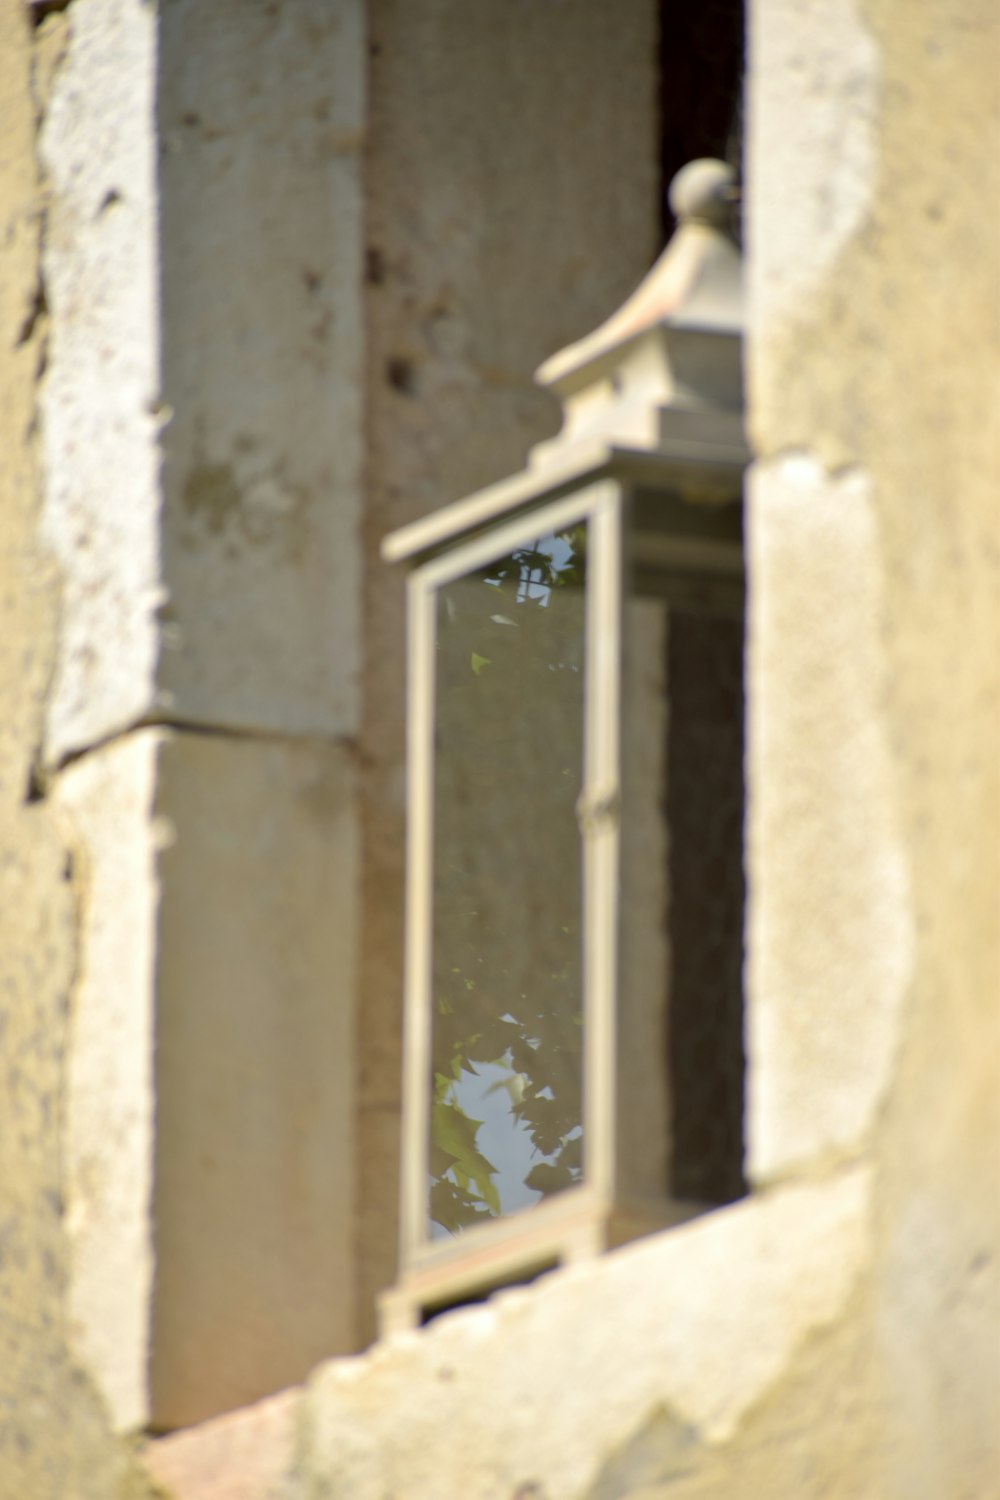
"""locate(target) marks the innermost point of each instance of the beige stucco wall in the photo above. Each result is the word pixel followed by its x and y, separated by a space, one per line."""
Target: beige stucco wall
pixel 837 1334
pixel 54 1437
pixel 199 437
pixel 890 447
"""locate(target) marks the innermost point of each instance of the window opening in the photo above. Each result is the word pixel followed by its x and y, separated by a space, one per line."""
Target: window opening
pixel 575 890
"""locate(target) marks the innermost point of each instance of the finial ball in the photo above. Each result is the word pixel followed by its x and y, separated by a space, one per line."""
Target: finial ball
pixel 703 191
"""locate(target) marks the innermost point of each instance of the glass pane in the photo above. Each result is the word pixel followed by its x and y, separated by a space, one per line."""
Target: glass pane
pixel 704 802
pixel 682 913
pixel 507 1027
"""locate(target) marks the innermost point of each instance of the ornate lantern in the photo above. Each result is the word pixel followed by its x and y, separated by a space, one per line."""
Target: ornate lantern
pixel 573 1053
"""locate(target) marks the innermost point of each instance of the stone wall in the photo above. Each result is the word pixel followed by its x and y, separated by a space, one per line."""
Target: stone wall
pixel 184 696
pixel 877 676
pixel 54 1434
pixel 194 335
pixel 201 442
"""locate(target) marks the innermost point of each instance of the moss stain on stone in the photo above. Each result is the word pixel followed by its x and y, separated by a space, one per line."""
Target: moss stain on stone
pixel 212 496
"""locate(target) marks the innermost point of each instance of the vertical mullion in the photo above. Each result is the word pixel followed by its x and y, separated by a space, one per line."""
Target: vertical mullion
pixel 601 798
pixel 596 507
pixel 419 913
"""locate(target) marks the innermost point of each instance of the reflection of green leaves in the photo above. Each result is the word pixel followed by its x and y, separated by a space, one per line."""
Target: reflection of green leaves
pixel 571 1154
pixel 513 1086
pixel 479 662
pixel 453 1207
pixel 491 1043
pixel 548 1177
pixel 546 1119
pixel 454 1133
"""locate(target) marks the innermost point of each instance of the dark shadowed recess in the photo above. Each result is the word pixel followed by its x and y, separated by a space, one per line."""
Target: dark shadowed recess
pixel 701 86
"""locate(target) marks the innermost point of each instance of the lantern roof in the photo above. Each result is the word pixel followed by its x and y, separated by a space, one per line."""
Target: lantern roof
pixel 655 391
pixel 675 343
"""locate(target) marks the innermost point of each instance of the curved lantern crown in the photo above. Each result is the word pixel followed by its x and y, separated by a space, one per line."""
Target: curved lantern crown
pixel 675 346
pixel 656 389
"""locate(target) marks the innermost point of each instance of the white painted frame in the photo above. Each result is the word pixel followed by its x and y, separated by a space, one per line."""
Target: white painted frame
pixel 600 506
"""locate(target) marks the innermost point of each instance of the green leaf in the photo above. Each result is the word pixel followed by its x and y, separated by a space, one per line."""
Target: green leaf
pixel 490 1044
pixel 514 1086
pixel 454 1132
pixel 453 1207
pixel 548 1177
pixel 479 662
pixel 571 1154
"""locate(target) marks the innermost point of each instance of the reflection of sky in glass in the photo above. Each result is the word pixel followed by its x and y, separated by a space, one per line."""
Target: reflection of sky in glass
pixel 531 586
pixel 504 1141
pixel 486 1095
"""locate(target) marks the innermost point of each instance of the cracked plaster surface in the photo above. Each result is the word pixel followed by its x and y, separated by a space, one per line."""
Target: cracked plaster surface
pixel 55 1438
pixel 833 951
pixel 105 802
pixel 827 166
pixel 542 1383
pixel 99 396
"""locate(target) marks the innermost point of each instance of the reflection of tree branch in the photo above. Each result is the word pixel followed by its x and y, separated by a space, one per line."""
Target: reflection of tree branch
pixel 454 1135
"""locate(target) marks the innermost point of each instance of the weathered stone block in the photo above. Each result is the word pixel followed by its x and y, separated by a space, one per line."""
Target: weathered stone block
pixel 255 1070
pixel 260 115
pixel 203 268
pixel 211 1076
pixel 815 132
pixel 241 1456
pixel 106 801
pixel 831 946
pixel 534 1393
pixel 99 399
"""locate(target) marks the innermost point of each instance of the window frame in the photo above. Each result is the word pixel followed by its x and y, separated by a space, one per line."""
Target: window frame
pixel 599 485
pixel 598 505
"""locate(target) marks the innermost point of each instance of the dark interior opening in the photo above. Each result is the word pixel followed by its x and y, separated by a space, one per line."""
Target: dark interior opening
pixel 484 1293
pixel 704 814
pixel 701 87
